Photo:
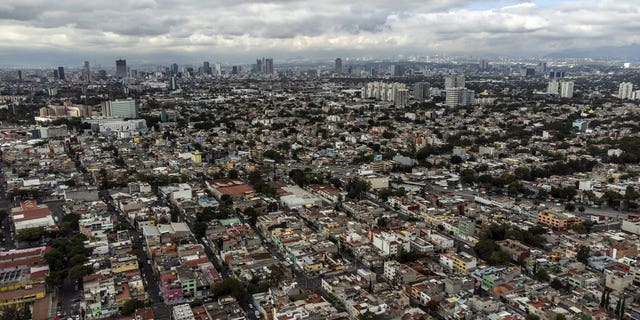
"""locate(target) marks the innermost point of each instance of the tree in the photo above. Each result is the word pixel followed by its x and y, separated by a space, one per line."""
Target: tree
pixel 199 229
pixel 583 254
pixel 29 234
pixel 532 317
pixel 357 187
pixel 231 286
pixel 130 307
pixel 570 207
pixel 556 284
pixel 541 275
pixel 560 316
pixel 15 313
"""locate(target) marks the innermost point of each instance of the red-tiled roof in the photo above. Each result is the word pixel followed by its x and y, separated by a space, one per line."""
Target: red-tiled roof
pixel 235 190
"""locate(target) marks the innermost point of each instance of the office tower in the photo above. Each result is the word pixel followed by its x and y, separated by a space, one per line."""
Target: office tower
pixel 174 69
pixel 20 75
pixel 55 74
pixel 258 68
pixel 454 82
pixel 530 72
pixel 556 74
pixel 397 70
pixel 235 70
pixel 119 108
pixel 86 72
pixel 61 73
pixel 172 84
pixel 121 68
pixel 421 91
pixel 206 68
pixel 338 66
pixel 483 65
pixel 268 67
pixel 625 90
pixel 459 97
pixel 542 67
pixel 553 87
pixel 566 89
pixel 218 69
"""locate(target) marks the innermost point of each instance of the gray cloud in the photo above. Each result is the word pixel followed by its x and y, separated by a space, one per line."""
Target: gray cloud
pixel 226 27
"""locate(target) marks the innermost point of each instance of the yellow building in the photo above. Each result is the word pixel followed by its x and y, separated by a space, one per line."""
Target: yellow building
pixel 124 266
pixel 557 220
pixel 196 157
pixel 463 262
pixel 21 296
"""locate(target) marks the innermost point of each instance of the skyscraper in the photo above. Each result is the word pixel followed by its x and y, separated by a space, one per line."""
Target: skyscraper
pixel 206 68
pixel 566 89
pixel 259 66
pixel 553 87
pixel 268 66
pixel 625 90
pixel 61 73
pixel 454 82
pixel 86 72
pixel 19 75
pixel 421 91
pixel 218 69
pixel 174 69
pixel 121 68
pixel 55 74
pixel 172 84
pixel 338 67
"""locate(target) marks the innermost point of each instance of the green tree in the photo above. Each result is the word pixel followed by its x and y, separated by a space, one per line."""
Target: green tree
pixel 29 234
pixel 532 317
pixel 583 254
pixel 541 275
pixel 130 307
pixel 15 313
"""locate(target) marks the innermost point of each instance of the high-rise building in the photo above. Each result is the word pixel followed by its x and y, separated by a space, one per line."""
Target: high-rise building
pixel 19 75
pixel 119 108
pixel 121 68
pixel 268 66
pixel 483 65
pixel 258 68
pixel 566 89
pixel 61 73
pixel 454 82
pixel 55 74
pixel 400 97
pixel 174 69
pixel 542 67
pixel 421 91
pixel 206 68
pixel 338 66
pixel 553 87
pixel 459 97
pixel 172 83
pixel 218 69
pixel 625 90
pixel 86 72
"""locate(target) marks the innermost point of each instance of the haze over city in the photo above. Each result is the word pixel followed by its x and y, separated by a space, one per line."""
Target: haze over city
pixel 42 33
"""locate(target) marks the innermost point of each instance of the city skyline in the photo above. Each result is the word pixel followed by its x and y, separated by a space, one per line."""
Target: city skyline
pixel 67 33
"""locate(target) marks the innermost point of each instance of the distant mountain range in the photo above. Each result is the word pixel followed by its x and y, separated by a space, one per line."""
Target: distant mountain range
pixel 629 52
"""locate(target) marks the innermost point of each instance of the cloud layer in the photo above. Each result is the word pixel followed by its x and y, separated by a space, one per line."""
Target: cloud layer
pixel 235 28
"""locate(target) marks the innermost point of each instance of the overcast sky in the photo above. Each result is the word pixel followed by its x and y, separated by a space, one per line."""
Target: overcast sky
pixel 66 32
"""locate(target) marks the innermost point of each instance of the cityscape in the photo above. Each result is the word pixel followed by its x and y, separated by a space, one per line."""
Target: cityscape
pixel 363 180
